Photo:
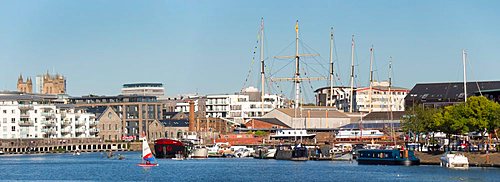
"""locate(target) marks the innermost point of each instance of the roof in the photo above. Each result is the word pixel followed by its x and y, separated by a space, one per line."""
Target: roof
pixel 135 85
pixel 448 91
pixel 314 112
pixel 175 122
pixel 21 96
pixel 396 115
pixel 371 125
pixel 273 121
pixel 97 111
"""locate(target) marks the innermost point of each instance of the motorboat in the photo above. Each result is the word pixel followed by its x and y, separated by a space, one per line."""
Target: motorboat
pixel 169 148
pixel 244 152
pixel 199 152
pixel 265 153
pixel 454 160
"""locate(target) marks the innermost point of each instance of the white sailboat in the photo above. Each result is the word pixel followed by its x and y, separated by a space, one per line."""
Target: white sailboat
pixel 147 155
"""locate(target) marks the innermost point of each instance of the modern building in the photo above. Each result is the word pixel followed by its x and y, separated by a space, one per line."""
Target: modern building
pixel 340 100
pixel 448 93
pixel 144 89
pixel 246 104
pixel 36 116
pixel 381 99
pixel 135 111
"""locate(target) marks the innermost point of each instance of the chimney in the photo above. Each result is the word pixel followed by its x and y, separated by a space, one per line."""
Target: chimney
pixel 191 116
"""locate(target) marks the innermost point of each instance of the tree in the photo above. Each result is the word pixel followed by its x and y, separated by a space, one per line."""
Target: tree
pixel 420 120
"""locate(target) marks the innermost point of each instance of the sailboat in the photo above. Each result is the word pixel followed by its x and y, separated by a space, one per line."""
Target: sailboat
pixel 147 155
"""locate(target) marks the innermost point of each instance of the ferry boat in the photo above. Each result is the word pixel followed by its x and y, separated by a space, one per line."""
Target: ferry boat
pixel 168 148
pixel 387 157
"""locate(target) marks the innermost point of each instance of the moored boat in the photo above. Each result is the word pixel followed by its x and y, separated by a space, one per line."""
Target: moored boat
pixel 199 152
pixel 387 157
pixel 455 161
pixel 168 148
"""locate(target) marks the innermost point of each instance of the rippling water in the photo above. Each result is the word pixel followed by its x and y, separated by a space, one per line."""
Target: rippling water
pixel 96 167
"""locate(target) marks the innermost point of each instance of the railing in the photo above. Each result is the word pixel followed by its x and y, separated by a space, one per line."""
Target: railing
pixel 25 106
pixel 93 123
pixel 48 114
pixel 49 131
pixel 66 123
pixel 26 123
pixel 80 130
pixel 94 130
pixel 66 130
pixel 79 123
pixel 49 123
pixel 24 115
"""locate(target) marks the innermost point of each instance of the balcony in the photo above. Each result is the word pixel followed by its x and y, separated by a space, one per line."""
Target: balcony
pixel 94 130
pixel 49 131
pixel 66 123
pixel 48 114
pixel 49 123
pixel 26 123
pixel 80 130
pixel 24 115
pixel 79 123
pixel 66 130
pixel 93 123
pixel 25 106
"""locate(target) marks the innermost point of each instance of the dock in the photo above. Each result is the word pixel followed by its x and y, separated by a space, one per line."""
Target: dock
pixel 40 146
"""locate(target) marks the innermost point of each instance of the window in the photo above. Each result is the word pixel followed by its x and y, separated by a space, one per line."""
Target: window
pixel 36 111
pixel 13 120
pixel 116 126
pixel 109 127
pixel 4 120
pixel 13 128
pixel 5 111
pixel 13 111
pixel 36 119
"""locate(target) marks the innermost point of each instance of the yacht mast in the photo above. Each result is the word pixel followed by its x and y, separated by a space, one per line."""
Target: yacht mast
pixel 371 80
pixel 262 76
pixel 464 57
pixel 352 75
pixel 331 67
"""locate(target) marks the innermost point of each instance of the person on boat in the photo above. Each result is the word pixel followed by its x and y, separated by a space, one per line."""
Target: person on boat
pixel 148 162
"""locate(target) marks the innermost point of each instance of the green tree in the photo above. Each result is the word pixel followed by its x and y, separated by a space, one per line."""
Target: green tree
pixel 420 120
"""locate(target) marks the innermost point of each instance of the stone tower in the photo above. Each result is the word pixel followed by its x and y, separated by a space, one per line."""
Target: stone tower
pixel 53 84
pixel 26 87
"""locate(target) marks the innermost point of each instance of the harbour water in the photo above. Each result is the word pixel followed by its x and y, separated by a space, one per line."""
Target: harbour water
pixel 96 167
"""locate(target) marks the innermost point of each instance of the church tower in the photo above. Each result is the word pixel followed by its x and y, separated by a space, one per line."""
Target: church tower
pixel 26 87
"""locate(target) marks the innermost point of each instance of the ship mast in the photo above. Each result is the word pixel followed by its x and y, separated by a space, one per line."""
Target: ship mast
pixel 297 71
pixel 390 101
pixel 262 76
pixel 331 67
pixel 371 80
pixel 464 57
pixel 352 75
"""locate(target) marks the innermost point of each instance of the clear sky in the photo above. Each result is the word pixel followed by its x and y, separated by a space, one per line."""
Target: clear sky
pixel 206 46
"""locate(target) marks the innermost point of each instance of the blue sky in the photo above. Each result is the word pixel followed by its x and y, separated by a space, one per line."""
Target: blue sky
pixel 206 46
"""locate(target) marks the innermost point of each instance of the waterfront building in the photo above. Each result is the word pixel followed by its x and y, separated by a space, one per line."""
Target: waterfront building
pixel 135 111
pixel 384 121
pixel 110 123
pixel 243 105
pixel 449 93
pixel 144 89
pixel 340 99
pixel 381 99
pixel 37 116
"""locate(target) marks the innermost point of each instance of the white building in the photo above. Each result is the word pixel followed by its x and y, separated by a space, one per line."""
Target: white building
pixel 382 100
pixel 246 104
pixel 144 89
pixel 34 116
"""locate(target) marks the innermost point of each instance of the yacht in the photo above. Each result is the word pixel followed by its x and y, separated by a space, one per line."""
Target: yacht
pixel 199 152
pixel 354 134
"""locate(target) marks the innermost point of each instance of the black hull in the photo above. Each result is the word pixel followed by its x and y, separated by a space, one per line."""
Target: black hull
pixel 169 151
pixel 388 162
pixel 283 155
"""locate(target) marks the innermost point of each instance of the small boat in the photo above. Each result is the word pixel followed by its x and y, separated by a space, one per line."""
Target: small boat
pixel 178 157
pixel 199 152
pixel 454 161
pixel 265 153
pixel 147 155
pixel 300 153
pixel 387 157
pixel 77 151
